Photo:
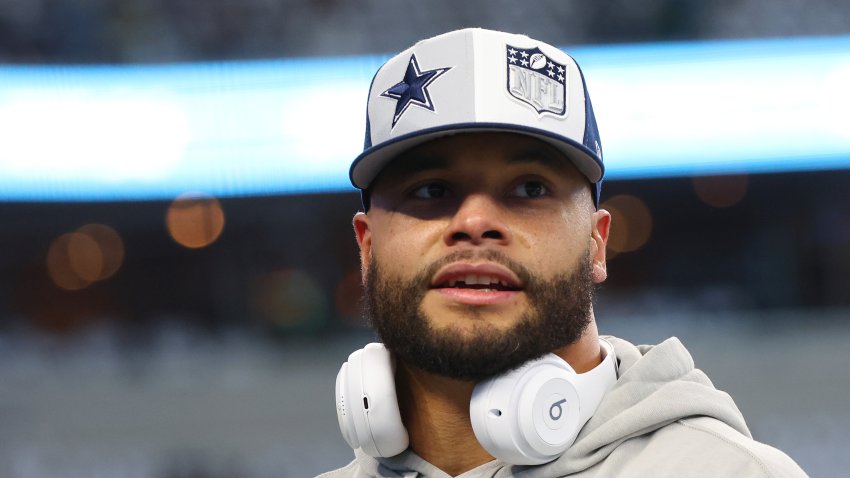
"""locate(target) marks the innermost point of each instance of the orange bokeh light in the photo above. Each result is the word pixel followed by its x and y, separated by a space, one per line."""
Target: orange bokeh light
pixel 721 191
pixel 631 223
pixel 349 297
pixel 60 266
pixel 84 256
pixel 93 252
pixel 110 245
pixel 195 220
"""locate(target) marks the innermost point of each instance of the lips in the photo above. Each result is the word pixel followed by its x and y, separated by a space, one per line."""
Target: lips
pixel 476 277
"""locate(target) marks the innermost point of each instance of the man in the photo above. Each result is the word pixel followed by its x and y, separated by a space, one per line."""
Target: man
pixel 481 242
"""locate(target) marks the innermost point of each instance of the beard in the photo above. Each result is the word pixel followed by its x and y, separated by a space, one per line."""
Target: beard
pixel 559 311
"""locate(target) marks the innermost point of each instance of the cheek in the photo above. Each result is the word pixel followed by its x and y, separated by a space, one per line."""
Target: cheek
pixel 555 242
pixel 401 242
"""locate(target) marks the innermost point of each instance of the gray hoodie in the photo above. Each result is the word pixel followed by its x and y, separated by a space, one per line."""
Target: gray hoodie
pixel 663 418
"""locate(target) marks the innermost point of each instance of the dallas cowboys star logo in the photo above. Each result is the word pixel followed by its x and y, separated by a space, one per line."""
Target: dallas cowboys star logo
pixel 413 89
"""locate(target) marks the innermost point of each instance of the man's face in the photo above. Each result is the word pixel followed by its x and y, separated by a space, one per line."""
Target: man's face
pixel 479 253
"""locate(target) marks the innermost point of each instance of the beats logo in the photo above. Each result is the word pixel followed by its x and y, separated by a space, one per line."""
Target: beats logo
pixel 555 411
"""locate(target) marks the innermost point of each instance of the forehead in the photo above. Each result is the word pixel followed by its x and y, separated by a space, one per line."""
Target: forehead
pixel 474 150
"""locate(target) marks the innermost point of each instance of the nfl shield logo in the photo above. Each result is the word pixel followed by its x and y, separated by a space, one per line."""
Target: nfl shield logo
pixel 537 80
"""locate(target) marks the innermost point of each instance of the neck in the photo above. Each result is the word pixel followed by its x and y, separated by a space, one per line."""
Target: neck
pixel 435 409
pixel 584 354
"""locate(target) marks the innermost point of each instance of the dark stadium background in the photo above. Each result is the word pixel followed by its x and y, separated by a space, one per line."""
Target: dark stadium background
pixel 219 361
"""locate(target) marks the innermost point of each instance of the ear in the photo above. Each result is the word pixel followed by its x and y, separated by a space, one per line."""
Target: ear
pixel 599 239
pixel 364 240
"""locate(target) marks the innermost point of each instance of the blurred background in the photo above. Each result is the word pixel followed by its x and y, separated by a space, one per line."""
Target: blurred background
pixel 179 280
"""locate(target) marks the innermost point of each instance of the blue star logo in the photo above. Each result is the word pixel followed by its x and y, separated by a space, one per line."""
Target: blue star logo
pixel 413 89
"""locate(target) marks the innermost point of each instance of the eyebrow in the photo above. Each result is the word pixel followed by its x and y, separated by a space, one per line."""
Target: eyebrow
pixel 414 164
pixel 544 155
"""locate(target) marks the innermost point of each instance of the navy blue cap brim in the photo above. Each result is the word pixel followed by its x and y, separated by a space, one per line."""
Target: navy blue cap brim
pixel 370 162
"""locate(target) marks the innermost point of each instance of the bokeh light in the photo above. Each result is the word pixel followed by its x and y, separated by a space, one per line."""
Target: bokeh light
pixel 110 245
pixel 291 299
pixel 92 253
pixel 84 256
pixel 721 191
pixel 60 267
pixel 349 298
pixel 631 224
pixel 195 220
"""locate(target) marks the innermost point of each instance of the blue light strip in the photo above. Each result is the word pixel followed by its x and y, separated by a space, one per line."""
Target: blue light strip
pixel 720 107
pixel 293 126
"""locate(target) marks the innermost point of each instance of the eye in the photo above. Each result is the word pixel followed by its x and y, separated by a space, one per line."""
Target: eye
pixel 431 191
pixel 531 189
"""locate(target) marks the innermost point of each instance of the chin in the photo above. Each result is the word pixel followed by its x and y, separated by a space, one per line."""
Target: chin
pixel 449 312
pixel 471 322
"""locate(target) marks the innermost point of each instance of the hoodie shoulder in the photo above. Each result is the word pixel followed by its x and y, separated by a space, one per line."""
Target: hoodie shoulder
pixel 699 447
pixel 769 461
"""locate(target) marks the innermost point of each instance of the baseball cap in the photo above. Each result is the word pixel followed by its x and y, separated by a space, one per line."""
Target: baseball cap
pixel 477 80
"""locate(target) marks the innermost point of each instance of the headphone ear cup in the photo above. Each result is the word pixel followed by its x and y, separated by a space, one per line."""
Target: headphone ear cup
pixel 343 411
pixel 530 415
pixel 367 407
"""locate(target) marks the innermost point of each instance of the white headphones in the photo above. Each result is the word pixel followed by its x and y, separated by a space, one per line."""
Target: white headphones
pixel 528 416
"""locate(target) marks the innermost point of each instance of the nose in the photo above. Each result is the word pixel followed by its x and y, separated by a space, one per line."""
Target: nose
pixel 479 219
